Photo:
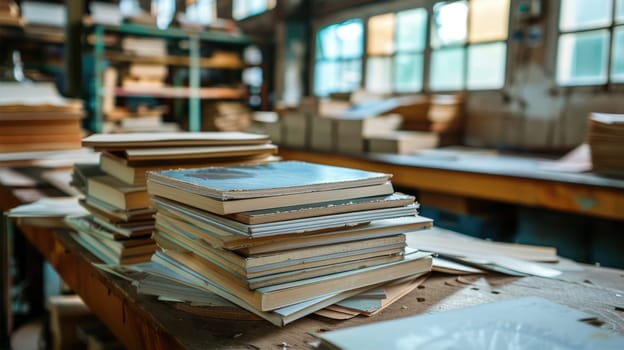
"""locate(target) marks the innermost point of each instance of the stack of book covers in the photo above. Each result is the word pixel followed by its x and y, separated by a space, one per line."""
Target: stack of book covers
pixel 119 227
pixel 283 239
pixel 34 117
pixel 605 135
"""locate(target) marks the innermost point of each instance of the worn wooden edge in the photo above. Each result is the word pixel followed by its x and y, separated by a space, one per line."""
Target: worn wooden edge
pixel 130 323
pixel 584 199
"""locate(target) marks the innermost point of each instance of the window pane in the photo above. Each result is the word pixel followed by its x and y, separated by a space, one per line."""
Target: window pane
pixel 449 23
pixel 325 77
pixel 581 14
pixel 201 12
pixel 582 58
pixel 379 74
pixel 327 45
pixel 247 8
pixel 343 40
pixel 411 30
pixel 619 12
pixel 488 20
pixel 408 72
pixel 350 75
pixel 447 69
pixel 617 61
pixel 486 66
pixel 350 36
pixel 381 34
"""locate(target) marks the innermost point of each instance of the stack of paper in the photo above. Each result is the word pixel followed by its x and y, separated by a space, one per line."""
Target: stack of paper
pixel 121 221
pixel 606 142
pixel 284 234
pixel 457 253
pixel 522 323
pixel 34 117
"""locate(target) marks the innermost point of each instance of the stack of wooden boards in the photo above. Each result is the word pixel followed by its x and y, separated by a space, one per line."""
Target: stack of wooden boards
pixel 34 117
pixel 606 141
pixel 119 227
pixel 400 125
pixel 283 239
pixel 10 13
pixel 144 74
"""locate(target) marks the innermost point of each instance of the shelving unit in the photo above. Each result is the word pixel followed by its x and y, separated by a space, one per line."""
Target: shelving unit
pixel 35 45
pixel 194 92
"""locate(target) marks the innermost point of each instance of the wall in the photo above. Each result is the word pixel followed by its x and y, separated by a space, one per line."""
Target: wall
pixel 532 112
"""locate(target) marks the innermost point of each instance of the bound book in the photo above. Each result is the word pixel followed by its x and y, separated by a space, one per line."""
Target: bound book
pixel 173 139
pixel 259 245
pixel 174 271
pixel 325 208
pixel 113 214
pixel 285 270
pixel 226 226
pixel 274 297
pixel 106 253
pixel 117 193
pixel 188 154
pixel 135 173
pixel 223 207
pixel 291 260
pixel 273 179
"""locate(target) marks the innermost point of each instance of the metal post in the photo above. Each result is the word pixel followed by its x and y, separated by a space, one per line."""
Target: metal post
pixel 194 82
pixel 5 283
pixel 73 49
pixel 98 79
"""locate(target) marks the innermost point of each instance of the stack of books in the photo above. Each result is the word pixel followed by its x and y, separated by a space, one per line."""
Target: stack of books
pixel 605 138
pixel 145 74
pixel 9 13
pixel 284 239
pixel 121 221
pixel 34 117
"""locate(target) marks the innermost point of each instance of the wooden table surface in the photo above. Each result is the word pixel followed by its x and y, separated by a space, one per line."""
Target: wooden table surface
pixel 141 321
pixel 515 180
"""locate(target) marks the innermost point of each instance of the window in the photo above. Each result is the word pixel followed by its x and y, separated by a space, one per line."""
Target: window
pixel 246 8
pixel 462 44
pixel 591 42
pixel 395 51
pixel 201 12
pixel 338 58
pixel 468 42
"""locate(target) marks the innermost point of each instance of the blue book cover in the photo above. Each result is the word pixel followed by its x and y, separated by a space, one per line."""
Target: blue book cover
pixel 272 179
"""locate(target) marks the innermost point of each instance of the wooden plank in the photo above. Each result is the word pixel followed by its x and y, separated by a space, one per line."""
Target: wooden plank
pixel 604 202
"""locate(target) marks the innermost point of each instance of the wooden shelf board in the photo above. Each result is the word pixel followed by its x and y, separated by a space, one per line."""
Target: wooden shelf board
pixel 181 92
pixel 172 60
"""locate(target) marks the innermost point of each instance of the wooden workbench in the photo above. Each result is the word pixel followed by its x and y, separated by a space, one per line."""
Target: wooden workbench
pixel 515 180
pixel 140 321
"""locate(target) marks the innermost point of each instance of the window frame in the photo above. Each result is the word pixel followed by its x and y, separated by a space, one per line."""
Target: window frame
pixel 610 45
